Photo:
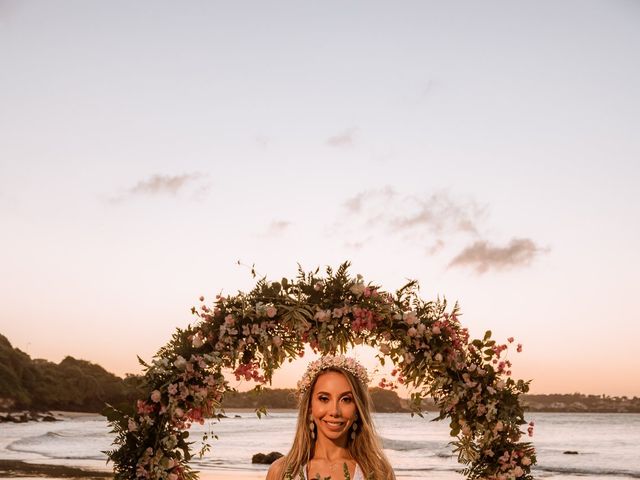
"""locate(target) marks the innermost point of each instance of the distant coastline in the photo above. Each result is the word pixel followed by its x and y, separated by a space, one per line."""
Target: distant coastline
pixel 77 385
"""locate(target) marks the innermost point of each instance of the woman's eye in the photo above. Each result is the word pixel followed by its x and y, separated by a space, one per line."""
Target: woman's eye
pixel 347 399
pixel 323 399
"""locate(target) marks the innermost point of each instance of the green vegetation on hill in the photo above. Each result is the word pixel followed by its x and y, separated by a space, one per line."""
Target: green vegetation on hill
pixel 74 385
pixel 383 400
pixel 578 402
pixel 78 385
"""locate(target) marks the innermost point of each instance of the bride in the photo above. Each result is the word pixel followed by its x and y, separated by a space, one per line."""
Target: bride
pixel 335 437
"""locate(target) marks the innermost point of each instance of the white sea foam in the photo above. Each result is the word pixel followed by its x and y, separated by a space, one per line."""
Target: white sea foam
pixel 607 444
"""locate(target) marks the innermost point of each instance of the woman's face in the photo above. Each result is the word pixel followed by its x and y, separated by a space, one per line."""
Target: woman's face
pixel 332 405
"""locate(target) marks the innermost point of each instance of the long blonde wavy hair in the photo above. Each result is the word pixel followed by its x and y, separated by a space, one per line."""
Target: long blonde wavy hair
pixel 365 449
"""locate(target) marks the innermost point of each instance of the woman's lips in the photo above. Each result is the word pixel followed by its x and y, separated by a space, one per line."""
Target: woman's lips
pixel 334 425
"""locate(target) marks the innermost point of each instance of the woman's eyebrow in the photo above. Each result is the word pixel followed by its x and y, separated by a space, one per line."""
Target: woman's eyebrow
pixel 348 392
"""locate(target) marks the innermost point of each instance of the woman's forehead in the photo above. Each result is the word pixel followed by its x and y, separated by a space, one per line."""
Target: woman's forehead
pixel 332 381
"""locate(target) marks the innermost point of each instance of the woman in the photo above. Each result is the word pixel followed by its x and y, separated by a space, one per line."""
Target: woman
pixel 335 436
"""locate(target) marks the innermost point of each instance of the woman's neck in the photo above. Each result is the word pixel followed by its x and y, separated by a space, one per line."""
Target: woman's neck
pixel 330 450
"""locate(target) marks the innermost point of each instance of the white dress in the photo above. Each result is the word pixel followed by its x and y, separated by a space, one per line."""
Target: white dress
pixel 357 475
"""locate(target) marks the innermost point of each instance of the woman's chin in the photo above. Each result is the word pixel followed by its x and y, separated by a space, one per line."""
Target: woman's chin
pixel 334 435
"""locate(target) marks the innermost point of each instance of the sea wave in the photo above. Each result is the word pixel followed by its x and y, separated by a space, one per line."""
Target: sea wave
pixel 403 445
pixel 62 445
pixel 589 471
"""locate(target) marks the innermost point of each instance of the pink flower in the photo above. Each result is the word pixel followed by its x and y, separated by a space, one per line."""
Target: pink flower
pixel 412 332
pixel 322 315
pixel 277 341
pixel 337 313
pixel 435 330
pixel 410 317
pixel 229 321
pixel 178 412
pixel 156 396
pixel 438 357
pixel 318 286
pixel 510 339
pixel 271 311
pixel 196 341
pixel 519 349
pixel 526 461
pixel 172 389
pixel 172 476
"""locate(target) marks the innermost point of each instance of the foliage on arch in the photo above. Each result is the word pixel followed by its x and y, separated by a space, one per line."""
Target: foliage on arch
pixel 253 333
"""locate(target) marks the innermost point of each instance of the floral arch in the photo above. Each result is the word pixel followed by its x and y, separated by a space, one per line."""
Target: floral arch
pixel 253 333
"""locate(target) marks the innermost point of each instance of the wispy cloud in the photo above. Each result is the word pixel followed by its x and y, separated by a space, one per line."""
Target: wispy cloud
pixel 482 256
pixel 354 204
pixel 163 185
pixel 439 213
pixel 434 223
pixel 343 139
pixel 436 213
pixel 276 228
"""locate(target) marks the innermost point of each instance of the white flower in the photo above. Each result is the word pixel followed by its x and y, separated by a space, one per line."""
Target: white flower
pixel 180 363
pixel 357 289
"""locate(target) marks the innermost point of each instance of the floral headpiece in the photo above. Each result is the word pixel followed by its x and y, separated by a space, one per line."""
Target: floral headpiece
pixel 349 364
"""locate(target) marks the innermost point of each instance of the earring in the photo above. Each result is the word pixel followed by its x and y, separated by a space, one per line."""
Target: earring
pixel 312 428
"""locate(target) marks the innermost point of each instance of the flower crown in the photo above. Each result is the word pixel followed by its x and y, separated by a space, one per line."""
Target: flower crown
pixel 349 364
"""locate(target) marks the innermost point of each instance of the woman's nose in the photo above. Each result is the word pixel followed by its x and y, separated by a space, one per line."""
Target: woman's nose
pixel 335 409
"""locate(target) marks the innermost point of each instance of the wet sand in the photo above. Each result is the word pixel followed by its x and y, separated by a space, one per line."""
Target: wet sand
pixel 27 471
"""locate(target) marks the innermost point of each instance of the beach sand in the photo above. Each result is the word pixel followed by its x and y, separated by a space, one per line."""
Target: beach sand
pixel 26 471
pixel 36 471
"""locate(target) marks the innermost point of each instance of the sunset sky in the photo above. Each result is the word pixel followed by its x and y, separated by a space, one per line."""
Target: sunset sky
pixel 489 150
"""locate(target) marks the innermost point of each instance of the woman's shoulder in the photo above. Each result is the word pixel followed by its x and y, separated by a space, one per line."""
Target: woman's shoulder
pixel 276 469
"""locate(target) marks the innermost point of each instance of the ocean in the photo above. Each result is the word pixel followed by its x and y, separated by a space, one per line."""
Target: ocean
pixel 608 445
